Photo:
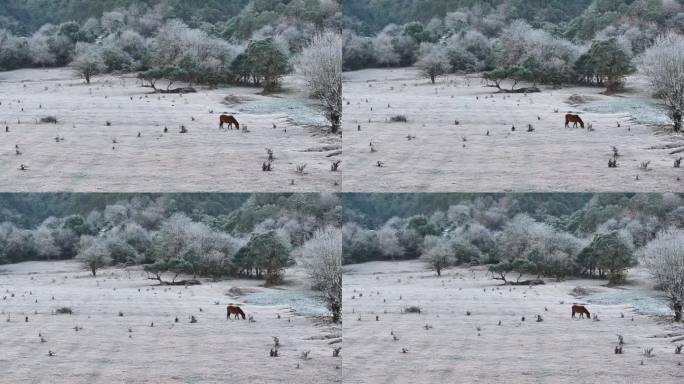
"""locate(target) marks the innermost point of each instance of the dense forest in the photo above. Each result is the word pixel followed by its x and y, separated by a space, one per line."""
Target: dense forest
pixel 369 17
pixel 26 17
pixel 372 210
pixel 29 210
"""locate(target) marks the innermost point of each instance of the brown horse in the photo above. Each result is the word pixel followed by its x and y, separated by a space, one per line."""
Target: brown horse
pixel 235 310
pixel 230 120
pixel 570 118
pixel 581 310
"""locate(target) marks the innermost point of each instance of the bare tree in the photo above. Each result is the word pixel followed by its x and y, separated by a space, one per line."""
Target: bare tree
pixel 438 254
pixel 663 65
pixel 433 61
pixel 321 66
pixel 93 253
pixel 88 61
pixel 322 258
pixel 664 258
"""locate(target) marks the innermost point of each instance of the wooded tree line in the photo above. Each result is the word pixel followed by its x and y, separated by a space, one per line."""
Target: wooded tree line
pixel 209 238
pixel 602 238
pixel 567 240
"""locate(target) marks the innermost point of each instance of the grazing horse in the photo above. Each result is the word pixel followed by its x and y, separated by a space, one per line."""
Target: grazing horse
pixel 230 120
pixel 570 118
pixel 581 310
pixel 234 309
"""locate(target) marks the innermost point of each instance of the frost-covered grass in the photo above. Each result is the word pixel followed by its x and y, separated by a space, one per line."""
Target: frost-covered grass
pixel 95 344
pixel 459 136
pixel 109 137
pixel 471 329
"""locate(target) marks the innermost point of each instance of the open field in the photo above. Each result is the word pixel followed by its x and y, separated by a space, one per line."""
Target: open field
pixel 111 137
pixel 129 333
pixel 458 347
pixel 431 153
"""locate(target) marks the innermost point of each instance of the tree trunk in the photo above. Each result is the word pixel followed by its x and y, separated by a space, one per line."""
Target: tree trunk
pixel 439 271
pixel 335 308
pixel 677 118
pixel 93 270
pixel 677 312
pixel 432 78
pixel 87 78
pixel 334 122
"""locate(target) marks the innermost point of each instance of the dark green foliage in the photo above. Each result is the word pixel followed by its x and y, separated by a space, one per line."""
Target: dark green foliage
pixel 267 65
pixel 416 30
pixel 604 64
pixel 73 31
pixel 422 226
pixel 262 64
pixel 266 255
pixel 611 256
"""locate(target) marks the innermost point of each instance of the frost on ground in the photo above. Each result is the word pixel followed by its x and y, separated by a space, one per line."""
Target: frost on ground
pixel 123 330
pixel 456 337
pixel 110 137
pixel 459 135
